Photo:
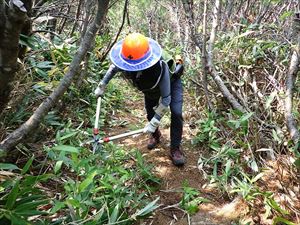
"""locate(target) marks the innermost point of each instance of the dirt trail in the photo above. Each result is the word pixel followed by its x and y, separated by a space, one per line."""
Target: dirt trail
pixel 173 178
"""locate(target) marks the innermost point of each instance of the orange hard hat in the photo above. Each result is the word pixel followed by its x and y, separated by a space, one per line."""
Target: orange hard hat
pixel 135 46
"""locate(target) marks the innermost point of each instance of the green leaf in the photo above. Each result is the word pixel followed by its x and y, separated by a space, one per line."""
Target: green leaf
pixel 282 220
pixel 114 216
pixel 276 207
pixel 87 181
pixel 57 166
pixel 17 220
pixel 286 15
pixel 257 177
pixel 41 72
pixel 192 206
pixel 66 148
pixel 8 166
pixel 100 213
pixel 253 165
pixel 30 199
pixel 12 197
pixel 27 165
pixel 246 117
pixel 28 213
pixel 228 167
pixel 58 205
pixel 27 41
pixel 147 209
pixel 297 163
pixel 44 65
pixel 68 135
pixel 30 205
pixel 270 99
pixel 2 153
pixel 73 202
pixel 32 180
pixel 192 209
pixel 276 136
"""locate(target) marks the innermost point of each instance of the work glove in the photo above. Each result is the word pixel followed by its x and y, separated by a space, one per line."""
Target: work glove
pixel 152 125
pixel 100 90
pixel 179 67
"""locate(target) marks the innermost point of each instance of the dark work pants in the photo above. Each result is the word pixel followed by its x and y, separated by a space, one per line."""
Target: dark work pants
pixel 176 111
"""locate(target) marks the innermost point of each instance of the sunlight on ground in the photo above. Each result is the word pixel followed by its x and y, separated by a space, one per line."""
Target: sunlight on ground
pixel 162 170
pixel 220 214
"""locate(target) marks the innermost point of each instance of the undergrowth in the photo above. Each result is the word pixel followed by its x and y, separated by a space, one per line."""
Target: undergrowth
pixel 112 186
pixel 63 182
pixel 242 146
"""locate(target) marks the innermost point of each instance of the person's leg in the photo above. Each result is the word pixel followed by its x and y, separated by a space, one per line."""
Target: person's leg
pixel 154 138
pixel 176 122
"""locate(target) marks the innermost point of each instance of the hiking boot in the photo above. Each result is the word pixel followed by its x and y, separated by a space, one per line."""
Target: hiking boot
pixel 177 156
pixel 154 139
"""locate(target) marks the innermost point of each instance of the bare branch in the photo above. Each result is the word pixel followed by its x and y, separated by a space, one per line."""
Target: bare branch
pixel 204 59
pixel 76 17
pixel 215 74
pixel 188 8
pixel 215 23
pixel 119 32
pixel 209 66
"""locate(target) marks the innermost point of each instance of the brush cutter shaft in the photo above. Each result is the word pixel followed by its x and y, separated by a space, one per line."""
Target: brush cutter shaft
pixel 98 112
pixel 108 139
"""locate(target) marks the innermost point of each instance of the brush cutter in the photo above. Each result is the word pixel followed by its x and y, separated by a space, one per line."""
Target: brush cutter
pixel 97 141
pixel 96 129
pixel 112 138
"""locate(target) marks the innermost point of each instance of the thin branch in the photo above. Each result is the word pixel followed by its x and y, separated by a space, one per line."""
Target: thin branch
pixel 48 31
pixel 76 17
pixel 118 34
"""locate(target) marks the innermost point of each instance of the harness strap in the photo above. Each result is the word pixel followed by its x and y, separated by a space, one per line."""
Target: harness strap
pixel 158 79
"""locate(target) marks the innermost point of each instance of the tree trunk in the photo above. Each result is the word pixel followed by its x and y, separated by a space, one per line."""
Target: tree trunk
pixel 204 59
pixel 12 16
pixel 292 73
pixel 20 134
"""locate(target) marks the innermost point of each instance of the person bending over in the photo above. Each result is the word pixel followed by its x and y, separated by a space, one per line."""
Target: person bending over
pixel 140 60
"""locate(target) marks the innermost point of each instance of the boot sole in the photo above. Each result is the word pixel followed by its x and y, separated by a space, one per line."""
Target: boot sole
pixel 150 147
pixel 178 163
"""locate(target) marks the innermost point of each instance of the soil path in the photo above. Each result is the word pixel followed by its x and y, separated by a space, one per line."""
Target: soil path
pixel 173 178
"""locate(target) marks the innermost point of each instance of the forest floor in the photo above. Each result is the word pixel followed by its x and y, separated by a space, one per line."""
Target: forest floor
pixel 218 211
pixel 279 178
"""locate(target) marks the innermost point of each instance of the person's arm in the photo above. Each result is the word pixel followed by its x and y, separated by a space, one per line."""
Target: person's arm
pixel 112 70
pixel 163 106
pixel 107 77
pixel 165 92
